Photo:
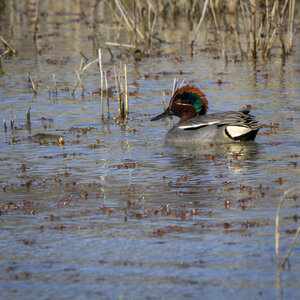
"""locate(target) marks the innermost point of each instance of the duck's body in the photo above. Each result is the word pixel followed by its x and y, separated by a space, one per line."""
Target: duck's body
pixel 194 126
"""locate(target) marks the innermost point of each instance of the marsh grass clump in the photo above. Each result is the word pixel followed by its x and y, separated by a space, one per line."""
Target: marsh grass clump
pixel 253 27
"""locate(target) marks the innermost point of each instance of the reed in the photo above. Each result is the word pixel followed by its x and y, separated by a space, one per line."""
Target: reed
pixel 277 232
pixel 101 81
pixel 81 83
pixel 198 26
pixel 4 125
pixel 54 83
pixel 33 85
pixel 9 50
pixel 219 33
pixel 118 89
pixel 266 23
pixel 164 100
pixel 121 99
pixel 106 92
pixel 36 19
pixel 83 68
pixel 28 118
pixel 129 21
pixel 1 67
pixel 12 120
pixel 126 91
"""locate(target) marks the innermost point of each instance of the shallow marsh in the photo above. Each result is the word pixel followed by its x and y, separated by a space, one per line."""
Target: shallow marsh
pixel 114 213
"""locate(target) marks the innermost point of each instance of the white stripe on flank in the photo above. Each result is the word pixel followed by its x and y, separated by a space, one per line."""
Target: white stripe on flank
pixel 236 131
pixel 198 125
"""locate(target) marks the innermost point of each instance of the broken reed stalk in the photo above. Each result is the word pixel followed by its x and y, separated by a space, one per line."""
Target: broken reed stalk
pixel 28 118
pixel 81 63
pixel 101 81
pixel 277 233
pixel 120 45
pixel 9 49
pixel 82 69
pixel 106 92
pixel 126 91
pixel 33 85
pixel 84 57
pixel 35 29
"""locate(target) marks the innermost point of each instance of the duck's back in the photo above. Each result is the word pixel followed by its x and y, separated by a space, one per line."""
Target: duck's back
pixel 222 127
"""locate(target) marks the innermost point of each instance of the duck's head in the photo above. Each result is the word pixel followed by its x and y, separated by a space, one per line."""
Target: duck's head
pixel 186 103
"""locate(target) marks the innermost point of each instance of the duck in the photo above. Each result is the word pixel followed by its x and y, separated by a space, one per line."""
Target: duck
pixel 195 126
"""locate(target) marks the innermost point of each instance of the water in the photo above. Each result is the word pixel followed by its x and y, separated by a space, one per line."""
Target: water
pixel 114 212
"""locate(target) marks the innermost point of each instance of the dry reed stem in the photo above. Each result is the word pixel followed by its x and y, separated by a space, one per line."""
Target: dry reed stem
pixel 101 81
pixel 174 85
pixel 35 29
pixel 106 91
pixel 82 69
pixel 1 67
pixel 290 33
pixel 277 233
pixel 134 22
pixel 247 30
pixel 54 83
pixel 121 99
pixel 182 83
pixel 28 118
pixel 118 92
pixel 291 247
pixel 10 48
pixel 103 42
pixel 120 45
pixel 126 91
pixel 128 21
pixel 164 100
pixel 150 26
pixel 12 120
pixel 218 31
pixel 80 81
pixel 277 27
pixel 84 57
pixel 199 25
pixel 253 31
pixel 5 126
pixel 32 84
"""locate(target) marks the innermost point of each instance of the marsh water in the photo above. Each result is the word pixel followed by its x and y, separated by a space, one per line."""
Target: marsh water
pixel 113 212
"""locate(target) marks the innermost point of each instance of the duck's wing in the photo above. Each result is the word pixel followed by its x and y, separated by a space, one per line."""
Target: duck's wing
pixel 234 121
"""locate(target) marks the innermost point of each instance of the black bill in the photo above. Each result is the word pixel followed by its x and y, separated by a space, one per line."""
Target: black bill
pixel 166 113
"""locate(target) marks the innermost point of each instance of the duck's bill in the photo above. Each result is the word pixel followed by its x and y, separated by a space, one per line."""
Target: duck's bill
pixel 166 113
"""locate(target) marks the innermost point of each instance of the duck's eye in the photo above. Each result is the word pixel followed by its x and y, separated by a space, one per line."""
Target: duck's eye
pixel 178 101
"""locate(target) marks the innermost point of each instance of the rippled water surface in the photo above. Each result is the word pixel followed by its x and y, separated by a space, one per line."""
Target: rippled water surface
pixel 113 212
